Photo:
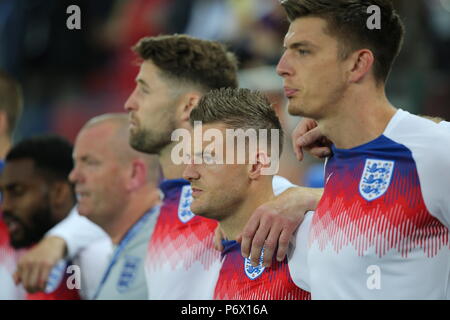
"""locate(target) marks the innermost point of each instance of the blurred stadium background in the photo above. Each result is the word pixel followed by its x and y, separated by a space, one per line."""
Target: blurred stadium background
pixel 69 76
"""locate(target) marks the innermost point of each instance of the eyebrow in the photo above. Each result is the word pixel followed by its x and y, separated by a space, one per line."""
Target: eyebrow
pixel 82 158
pixel 10 185
pixel 300 44
pixel 142 82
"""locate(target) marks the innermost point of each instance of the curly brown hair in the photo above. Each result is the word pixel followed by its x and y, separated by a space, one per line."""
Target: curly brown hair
pixel 202 63
pixel 347 22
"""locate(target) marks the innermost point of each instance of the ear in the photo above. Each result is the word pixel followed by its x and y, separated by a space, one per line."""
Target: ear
pixel 362 63
pixel 138 175
pixel 3 122
pixel 188 102
pixel 60 194
pixel 261 161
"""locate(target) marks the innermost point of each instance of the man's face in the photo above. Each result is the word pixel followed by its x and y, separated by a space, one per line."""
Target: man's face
pixel 216 188
pixel 152 107
pixel 311 68
pixel 26 203
pixel 99 176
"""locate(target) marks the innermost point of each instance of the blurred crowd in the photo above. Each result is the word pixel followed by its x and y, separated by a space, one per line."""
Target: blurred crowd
pixel 69 76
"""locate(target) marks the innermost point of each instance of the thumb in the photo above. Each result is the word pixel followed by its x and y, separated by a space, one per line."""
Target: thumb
pixel 17 279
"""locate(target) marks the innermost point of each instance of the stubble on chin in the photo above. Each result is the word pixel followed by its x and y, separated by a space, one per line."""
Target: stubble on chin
pixel 149 142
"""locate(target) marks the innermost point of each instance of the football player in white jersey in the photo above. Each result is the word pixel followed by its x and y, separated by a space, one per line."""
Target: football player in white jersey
pixel 36 194
pixel 376 229
pixel 249 183
pixel 169 85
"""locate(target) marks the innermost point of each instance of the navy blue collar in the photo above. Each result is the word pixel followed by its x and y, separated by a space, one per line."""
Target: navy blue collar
pixel 168 186
pixel 229 246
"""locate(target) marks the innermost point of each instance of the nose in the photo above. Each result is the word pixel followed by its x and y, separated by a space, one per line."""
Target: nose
pixel 283 67
pixel 6 203
pixel 131 104
pixel 74 175
pixel 190 173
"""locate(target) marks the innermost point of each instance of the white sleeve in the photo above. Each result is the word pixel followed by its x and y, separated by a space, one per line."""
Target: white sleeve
pixel 433 167
pixel 445 124
pixel 9 290
pixel 429 144
pixel 93 260
pixel 77 231
pixel 281 184
pixel 298 255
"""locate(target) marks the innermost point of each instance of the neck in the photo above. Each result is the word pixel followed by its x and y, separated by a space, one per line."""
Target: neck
pixel 258 194
pixel 135 209
pixel 62 211
pixel 170 169
pixel 359 118
pixel 5 145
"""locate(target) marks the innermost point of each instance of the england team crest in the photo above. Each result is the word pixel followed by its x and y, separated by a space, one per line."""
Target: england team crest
pixel 184 208
pixel 254 272
pixel 128 274
pixel 56 276
pixel 376 178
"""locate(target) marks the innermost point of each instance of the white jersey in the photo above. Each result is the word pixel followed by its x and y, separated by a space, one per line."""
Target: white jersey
pixel 381 229
pixel 445 124
pixel 181 261
pixel 78 232
pixel 298 254
pixel 88 246
pixel 8 261
pixel 93 261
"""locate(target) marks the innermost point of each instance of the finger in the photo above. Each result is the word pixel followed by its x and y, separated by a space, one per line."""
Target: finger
pixel 248 233
pixel 218 239
pixel 283 243
pixel 296 134
pixel 31 279
pixel 43 278
pixel 270 244
pixel 303 127
pixel 258 242
pixel 320 152
pixel 23 272
pixel 298 152
pixel 309 138
pixel 218 245
pixel 17 278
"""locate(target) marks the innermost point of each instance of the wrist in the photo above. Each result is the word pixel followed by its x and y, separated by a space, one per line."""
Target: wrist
pixel 58 244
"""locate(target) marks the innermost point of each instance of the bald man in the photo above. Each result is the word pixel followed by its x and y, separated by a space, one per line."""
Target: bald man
pixel 116 188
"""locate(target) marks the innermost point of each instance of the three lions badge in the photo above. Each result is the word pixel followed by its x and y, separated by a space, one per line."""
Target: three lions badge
pixel 376 178
pixel 128 273
pixel 254 272
pixel 184 208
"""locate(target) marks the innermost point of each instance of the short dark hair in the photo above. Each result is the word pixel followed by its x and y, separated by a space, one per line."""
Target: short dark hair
pixel 347 22
pixel 203 63
pixel 238 109
pixel 51 154
pixel 11 100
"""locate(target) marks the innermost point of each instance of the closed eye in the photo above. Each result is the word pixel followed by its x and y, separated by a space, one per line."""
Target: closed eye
pixel 144 90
